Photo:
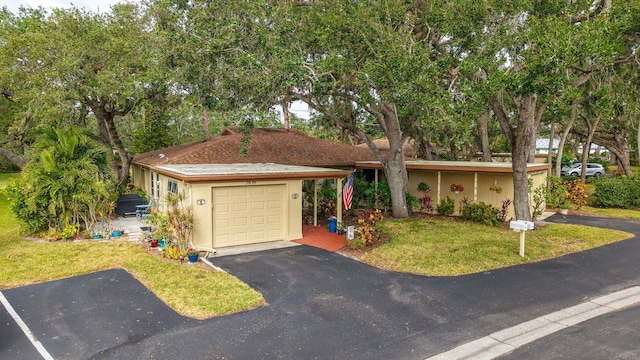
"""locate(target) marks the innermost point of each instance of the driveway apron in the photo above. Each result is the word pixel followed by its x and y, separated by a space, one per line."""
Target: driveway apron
pixel 325 306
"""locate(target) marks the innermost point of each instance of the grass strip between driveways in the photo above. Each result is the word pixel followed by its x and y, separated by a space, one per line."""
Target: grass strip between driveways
pixel 190 291
pixel 448 247
pixel 614 213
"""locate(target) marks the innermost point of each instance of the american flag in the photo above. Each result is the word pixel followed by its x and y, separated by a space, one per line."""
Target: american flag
pixel 347 193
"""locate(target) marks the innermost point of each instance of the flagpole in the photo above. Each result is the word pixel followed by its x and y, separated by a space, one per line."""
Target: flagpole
pixel 339 196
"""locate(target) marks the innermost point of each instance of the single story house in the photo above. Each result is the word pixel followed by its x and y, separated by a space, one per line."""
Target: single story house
pixel 491 183
pixel 245 192
pixel 248 189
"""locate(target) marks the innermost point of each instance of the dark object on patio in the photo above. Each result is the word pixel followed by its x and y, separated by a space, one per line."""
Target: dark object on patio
pixel 126 204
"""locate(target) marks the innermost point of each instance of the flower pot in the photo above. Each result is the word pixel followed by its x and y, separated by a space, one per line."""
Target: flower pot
pixel 96 237
pixel 116 233
pixel 564 211
pixel 340 231
pixel 153 243
pixel 193 258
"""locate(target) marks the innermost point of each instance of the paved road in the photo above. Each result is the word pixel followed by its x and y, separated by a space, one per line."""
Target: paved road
pixel 611 336
pixel 321 305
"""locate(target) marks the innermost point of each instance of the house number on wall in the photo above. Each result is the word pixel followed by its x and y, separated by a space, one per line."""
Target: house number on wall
pixel 251 182
pixel 201 201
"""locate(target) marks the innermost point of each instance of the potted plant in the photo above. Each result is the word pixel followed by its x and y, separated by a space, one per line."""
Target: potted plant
pixel 457 188
pixel 193 254
pixel 564 208
pixel 340 228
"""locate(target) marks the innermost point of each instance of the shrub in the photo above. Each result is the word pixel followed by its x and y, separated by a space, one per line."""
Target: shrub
pixel 367 225
pixel 357 243
pixel 556 192
pixel 576 193
pixel 367 195
pixel 565 162
pixel 34 218
pixel 446 206
pixel 67 178
pixel 425 200
pixel 502 214
pixel 481 213
pixel 539 199
pixel 620 192
pixel 412 201
pixel 326 197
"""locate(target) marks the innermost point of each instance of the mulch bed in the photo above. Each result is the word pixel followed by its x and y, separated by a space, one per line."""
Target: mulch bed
pixel 379 239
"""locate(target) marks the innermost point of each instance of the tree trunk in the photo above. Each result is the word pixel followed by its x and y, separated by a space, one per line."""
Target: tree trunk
pixel 525 139
pixel 565 134
pixel 586 149
pixel 125 156
pixel 285 113
pixel 552 135
pixel 205 123
pixel 623 153
pixel 394 168
pixel 423 148
pixel 17 159
pixel 522 139
pixel 108 135
pixel 484 136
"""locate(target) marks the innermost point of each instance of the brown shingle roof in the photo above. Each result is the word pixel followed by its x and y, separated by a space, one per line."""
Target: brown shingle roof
pixel 278 146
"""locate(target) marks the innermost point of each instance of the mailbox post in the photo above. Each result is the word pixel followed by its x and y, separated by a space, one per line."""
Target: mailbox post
pixel 522 226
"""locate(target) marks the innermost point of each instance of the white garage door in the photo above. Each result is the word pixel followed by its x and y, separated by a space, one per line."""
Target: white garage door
pixel 248 214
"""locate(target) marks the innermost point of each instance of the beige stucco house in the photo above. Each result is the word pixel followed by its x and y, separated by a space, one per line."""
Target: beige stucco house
pixel 491 183
pixel 244 196
pixel 248 189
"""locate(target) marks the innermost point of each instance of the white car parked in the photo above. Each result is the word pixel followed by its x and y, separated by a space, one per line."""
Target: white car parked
pixel 593 169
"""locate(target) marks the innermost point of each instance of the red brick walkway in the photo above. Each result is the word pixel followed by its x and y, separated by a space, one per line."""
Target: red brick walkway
pixel 320 237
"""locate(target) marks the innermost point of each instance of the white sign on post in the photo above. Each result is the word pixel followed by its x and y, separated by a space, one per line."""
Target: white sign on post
pixel 522 226
pixel 351 232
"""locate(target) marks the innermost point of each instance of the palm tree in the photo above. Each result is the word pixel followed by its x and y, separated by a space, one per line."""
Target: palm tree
pixel 70 171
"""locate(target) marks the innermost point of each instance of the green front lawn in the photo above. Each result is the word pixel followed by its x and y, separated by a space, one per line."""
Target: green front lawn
pixel 189 290
pixel 449 247
pixel 614 213
pixel 4 178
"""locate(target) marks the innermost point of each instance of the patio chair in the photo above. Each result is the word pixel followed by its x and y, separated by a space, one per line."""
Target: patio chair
pixel 142 211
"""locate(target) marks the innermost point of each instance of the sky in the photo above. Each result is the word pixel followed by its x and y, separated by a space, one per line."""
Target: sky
pixel 93 5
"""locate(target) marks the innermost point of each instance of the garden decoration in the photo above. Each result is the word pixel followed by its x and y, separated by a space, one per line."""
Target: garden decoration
pixel 496 188
pixel 457 188
pixel 193 254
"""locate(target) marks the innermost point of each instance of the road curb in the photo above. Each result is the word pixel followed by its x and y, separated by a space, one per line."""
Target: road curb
pixel 509 339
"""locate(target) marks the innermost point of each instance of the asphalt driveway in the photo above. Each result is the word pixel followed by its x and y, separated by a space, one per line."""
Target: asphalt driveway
pixel 326 306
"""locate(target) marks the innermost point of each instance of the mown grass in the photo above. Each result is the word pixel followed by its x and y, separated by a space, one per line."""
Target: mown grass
pixel 4 178
pixel 447 247
pixel 614 213
pixel 190 291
